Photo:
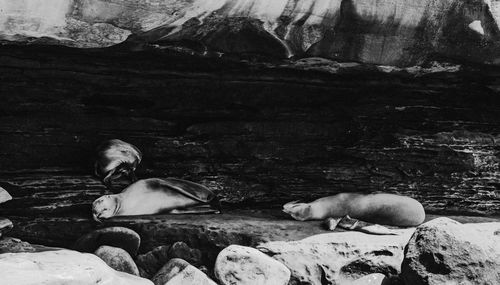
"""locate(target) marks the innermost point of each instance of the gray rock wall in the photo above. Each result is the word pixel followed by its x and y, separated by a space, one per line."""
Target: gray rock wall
pixel 392 32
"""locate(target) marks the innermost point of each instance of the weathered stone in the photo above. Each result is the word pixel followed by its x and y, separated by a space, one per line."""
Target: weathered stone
pixel 118 259
pixel 444 251
pixel 150 262
pixel 388 32
pixel 246 266
pixel 14 245
pixel 47 268
pixel 340 257
pixel 183 251
pixel 5 225
pixel 370 279
pixel 121 237
pixel 180 272
pixel 4 196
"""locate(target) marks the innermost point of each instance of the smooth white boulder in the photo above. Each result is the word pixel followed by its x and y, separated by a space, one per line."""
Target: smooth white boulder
pixel 61 267
pixel 247 266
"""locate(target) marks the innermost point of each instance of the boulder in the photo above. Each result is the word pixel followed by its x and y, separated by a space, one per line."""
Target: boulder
pixel 247 266
pixel 183 251
pixel 180 272
pixel 5 225
pixel 444 251
pixel 61 267
pixel 121 237
pixel 4 196
pixel 118 259
pixel 13 245
pixel 340 257
pixel 371 279
pixel 149 263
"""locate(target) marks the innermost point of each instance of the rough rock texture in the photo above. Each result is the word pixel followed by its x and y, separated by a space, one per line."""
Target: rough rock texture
pixel 150 262
pixel 385 32
pixel 46 267
pixel 13 245
pixel 180 272
pixel 119 237
pixel 118 259
pixel 256 135
pixel 444 251
pixel 340 257
pixel 183 251
pixel 370 279
pixel 247 266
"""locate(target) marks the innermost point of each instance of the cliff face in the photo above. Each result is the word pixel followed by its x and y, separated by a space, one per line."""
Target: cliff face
pixel 392 32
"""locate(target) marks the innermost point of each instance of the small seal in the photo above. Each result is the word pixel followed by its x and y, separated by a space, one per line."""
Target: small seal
pixel 116 159
pixel 385 209
pixel 154 196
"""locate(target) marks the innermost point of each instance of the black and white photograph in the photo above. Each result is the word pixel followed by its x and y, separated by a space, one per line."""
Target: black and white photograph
pixel 249 142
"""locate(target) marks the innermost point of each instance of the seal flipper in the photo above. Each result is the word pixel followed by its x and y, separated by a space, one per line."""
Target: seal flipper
pixel 349 223
pixel 190 189
pixel 202 209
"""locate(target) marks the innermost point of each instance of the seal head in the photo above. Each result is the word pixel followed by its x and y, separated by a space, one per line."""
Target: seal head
pixel 116 159
pixel 104 207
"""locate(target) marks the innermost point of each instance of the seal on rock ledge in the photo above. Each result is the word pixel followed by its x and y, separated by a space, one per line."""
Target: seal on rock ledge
pixel 116 159
pixel 154 196
pixel 386 209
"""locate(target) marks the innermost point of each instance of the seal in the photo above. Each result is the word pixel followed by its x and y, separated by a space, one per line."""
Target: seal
pixel 116 159
pixel 154 196
pixel 386 209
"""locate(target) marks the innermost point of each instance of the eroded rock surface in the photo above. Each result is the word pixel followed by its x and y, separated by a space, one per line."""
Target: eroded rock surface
pixel 444 251
pixel 340 257
pixel 180 272
pixel 386 32
pixel 183 251
pixel 150 262
pixel 246 266
pixel 118 259
pixel 46 267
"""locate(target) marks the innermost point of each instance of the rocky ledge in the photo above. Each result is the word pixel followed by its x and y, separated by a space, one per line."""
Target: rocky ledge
pixel 400 32
pixel 441 251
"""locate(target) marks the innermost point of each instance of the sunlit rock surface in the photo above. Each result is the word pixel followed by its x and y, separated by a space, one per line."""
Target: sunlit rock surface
pixel 61 267
pixel 391 32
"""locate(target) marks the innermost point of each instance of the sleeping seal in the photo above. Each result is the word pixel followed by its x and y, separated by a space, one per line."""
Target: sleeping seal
pixel 153 196
pixel 386 209
pixel 116 159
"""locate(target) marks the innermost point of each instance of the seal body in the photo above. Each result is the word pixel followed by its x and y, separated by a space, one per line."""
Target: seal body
pixel 386 209
pixel 154 196
pixel 116 159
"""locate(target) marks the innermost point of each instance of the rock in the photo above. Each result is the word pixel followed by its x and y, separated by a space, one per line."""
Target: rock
pixel 121 237
pixel 183 251
pixel 444 251
pixel 5 225
pixel 180 272
pixel 47 268
pixel 245 265
pixel 340 257
pixel 13 245
pixel 370 279
pixel 399 32
pixel 153 260
pixel 118 259
pixel 4 196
